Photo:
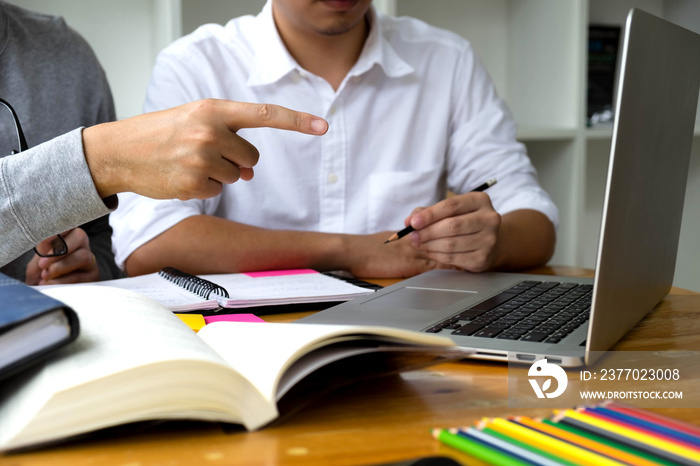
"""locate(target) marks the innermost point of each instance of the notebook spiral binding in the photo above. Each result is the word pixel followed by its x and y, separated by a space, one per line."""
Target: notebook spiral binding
pixel 192 283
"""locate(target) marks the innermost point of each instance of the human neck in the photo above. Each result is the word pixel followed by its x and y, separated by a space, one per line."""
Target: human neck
pixel 329 56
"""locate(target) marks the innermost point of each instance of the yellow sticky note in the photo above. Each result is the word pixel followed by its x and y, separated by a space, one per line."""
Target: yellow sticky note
pixel 193 321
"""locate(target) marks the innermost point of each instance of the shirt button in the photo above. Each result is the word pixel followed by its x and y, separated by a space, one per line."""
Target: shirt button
pixel 332 178
pixel 296 78
pixel 332 110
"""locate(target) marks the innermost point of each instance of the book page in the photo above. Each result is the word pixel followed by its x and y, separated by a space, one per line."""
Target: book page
pixel 271 288
pixel 112 369
pixel 154 286
pixel 271 348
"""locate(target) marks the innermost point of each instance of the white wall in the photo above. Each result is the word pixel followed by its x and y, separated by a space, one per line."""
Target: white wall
pixel 126 36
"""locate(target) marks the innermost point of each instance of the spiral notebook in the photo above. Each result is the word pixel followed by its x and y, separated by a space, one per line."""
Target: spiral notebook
pixel 182 292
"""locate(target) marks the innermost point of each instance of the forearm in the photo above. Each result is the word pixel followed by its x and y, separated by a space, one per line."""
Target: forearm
pixel 41 197
pixel 526 239
pixel 206 244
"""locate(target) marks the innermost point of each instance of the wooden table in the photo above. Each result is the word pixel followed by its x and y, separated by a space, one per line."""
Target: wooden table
pixel 376 422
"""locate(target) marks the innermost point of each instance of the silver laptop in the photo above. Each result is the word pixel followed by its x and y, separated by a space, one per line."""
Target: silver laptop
pixel 492 313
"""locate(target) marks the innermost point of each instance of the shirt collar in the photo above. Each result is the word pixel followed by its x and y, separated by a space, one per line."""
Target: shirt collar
pixel 378 51
pixel 273 61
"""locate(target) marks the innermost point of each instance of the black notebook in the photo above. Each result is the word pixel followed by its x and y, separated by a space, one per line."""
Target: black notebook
pixel 32 326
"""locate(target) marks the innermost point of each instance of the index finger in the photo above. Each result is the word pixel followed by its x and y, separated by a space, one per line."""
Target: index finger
pixel 249 115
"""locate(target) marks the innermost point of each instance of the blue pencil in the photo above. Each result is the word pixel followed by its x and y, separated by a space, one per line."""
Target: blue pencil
pixel 522 453
pixel 636 422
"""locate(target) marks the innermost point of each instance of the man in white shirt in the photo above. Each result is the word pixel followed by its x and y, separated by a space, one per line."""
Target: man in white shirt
pixel 411 113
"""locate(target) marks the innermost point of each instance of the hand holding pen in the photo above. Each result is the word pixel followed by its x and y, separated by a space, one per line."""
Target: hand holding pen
pixel 459 232
pixel 410 228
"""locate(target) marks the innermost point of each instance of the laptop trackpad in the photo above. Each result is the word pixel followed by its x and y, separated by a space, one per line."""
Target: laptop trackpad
pixel 428 299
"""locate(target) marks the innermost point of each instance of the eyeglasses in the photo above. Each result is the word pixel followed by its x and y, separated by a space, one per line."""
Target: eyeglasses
pixel 18 128
pixel 58 244
pixel 58 248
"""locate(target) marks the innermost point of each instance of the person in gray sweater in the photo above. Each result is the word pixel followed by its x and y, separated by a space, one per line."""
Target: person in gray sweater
pixel 53 80
pixel 72 178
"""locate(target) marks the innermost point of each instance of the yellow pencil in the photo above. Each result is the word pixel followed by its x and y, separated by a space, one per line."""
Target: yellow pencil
pixel 558 447
pixel 586 442
pixel 640 437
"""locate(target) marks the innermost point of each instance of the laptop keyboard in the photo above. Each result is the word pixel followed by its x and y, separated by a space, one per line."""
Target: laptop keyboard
pixel 529 311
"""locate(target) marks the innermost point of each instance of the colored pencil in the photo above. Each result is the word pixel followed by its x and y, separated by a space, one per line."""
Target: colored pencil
pixel 505 446
pixel 582 422
pixel 689 440
pixel 527 446
pixel 673 459
pixel 477 449
pixel 606 434
pixel 682 449
pixel 610 442
pixel 653 417
pixel 584 442
pixel 556 446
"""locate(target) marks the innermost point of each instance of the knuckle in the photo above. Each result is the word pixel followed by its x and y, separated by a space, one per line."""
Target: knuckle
pixel 494 218
pixel 453 225
pixel 189 187
pixel 205 136
pixel 266 112
pixel 80 235
pixel 480 261
pixel 448 259
pixel 233 175
pixel 451 204
pixel 84 256
pixel 202 107
pixel 491 241
pixel 254 155
pixel 300 120
pixel 450 244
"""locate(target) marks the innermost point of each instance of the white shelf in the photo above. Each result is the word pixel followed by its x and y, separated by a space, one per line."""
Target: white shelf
pixel 599 133
pixel 545 134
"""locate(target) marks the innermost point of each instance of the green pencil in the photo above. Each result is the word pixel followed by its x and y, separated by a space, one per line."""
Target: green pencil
pixel 610 442
pixel 476 449
pixel 526 446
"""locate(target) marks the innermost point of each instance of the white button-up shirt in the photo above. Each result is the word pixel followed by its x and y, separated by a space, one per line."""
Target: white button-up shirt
pixel 415 116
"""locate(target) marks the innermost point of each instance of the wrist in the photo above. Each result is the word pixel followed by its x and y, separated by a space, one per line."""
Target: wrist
pixel 100 161
pixel 335 252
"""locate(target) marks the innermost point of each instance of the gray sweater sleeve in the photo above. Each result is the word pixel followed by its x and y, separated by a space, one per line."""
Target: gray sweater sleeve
pixel 46 190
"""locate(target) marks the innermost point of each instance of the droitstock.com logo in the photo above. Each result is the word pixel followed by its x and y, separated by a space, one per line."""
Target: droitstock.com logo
pixel 547 371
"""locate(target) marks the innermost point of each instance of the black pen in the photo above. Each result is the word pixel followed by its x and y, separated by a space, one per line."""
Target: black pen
pixel 409 228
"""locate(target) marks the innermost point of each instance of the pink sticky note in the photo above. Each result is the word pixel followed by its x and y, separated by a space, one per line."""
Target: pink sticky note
pixel 277 273
pixel 233 318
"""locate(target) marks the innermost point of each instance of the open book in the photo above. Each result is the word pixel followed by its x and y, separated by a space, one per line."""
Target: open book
pixel 182 292
pixel 134 361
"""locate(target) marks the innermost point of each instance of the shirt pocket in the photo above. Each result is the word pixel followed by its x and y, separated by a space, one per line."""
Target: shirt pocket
pixel 393 196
